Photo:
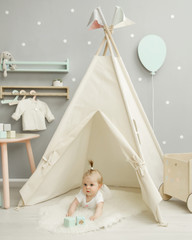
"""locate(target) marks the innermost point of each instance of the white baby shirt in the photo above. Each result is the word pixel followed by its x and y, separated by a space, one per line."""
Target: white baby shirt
pixel 81 197
pixel 33 114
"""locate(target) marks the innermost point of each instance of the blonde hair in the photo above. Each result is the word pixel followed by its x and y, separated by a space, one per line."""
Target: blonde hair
pixel 95 172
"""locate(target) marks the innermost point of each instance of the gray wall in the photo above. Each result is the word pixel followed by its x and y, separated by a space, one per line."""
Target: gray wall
pixel 67 19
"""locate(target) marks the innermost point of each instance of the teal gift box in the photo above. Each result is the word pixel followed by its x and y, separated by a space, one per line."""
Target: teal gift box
pixel 69 221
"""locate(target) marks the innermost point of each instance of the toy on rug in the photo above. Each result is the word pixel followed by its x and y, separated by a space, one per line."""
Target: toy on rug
pixel 5 57
pixel 74 221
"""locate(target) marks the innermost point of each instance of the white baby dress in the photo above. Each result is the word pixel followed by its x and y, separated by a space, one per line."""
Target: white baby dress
pixel 81 197
pixel 33 114
pixel 103 194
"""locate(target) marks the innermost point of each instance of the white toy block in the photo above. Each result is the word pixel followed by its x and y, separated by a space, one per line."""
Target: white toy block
pixel 69 221
pixel 80 220
pixel 3 134
pixel 1 126
pixel 7 127
pixel 11 134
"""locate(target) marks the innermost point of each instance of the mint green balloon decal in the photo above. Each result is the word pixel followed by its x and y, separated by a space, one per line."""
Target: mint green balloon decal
pixel 152 52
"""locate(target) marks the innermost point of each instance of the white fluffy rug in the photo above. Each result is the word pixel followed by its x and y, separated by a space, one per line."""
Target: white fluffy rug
pixel 120 206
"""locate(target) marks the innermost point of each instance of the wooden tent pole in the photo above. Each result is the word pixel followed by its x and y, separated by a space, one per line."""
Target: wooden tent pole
pixel 106 45
pixel 101 45
pixel 106 28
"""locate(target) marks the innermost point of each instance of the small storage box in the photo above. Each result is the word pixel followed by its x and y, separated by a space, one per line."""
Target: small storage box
pixel 178 178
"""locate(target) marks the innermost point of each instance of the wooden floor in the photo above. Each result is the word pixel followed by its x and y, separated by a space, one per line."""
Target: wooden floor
pixel 22 224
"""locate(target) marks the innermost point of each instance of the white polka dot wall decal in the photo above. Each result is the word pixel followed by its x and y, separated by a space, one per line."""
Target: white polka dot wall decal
pixel 132 35
pixel 72 10
pixel 6 12
pixel 74 79
pixel 167 102
pixel 89 42
pixel 172 16
pixel 39 23
pixel 23 44
pixel 139 79
pixel 179 68
pixel 65 40
pixel 164 142
pixel 181 136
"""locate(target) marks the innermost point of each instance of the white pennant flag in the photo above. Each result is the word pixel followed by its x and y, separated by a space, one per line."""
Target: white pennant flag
pixel 119 19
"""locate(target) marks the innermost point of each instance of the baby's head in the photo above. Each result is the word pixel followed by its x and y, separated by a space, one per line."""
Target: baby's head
pixel 94 173
pixel 92 181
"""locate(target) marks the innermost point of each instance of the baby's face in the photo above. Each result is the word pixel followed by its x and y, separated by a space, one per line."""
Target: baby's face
pixel 90 186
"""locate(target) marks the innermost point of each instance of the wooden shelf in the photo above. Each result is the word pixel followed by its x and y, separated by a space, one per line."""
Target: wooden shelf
pixel 37 66
pixel 43 91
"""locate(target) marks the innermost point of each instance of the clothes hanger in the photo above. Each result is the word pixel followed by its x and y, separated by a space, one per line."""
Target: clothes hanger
pixel 14 92
pixel 24 93
pixel 16 101
pixel 34 93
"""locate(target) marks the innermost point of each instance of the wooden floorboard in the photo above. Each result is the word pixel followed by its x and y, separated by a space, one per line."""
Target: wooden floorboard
pixel 22 224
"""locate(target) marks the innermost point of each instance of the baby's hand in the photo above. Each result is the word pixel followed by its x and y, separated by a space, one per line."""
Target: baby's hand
pixel 92 218
pixel 69 214
pixel 98 211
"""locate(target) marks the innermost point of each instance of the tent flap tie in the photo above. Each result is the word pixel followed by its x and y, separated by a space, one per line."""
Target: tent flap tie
pixel 47 162
pixel 138 165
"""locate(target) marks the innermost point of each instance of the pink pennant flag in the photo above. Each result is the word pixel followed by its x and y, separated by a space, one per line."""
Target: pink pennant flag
pixel 95 25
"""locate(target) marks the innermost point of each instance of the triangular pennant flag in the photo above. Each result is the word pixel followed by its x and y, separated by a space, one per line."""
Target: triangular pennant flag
pixel 119 19
pixel 95 20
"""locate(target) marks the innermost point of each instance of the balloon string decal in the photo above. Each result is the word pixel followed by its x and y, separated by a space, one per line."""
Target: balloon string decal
pixel 153 100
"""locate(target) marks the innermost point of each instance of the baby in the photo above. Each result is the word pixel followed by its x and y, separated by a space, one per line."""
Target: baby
pixel 90 195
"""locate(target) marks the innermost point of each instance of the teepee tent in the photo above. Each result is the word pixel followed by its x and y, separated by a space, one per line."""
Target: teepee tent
pixel 104 122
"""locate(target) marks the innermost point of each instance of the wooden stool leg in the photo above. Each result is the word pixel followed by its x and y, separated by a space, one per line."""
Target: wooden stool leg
pixel 5 173
pixel 30 155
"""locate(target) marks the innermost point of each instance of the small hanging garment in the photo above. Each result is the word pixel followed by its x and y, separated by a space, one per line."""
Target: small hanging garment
pixel 33 114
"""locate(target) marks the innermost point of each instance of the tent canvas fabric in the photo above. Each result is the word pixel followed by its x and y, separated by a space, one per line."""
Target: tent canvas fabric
pixel 104 122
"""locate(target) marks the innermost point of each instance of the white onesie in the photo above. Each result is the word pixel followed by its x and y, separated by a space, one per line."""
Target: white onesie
pixel 33 114
pixel 81 197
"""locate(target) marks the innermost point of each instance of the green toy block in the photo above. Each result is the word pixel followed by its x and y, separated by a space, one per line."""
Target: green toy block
pixel 11 134
pixel 80 220
pixel 69 221
pixel 3 134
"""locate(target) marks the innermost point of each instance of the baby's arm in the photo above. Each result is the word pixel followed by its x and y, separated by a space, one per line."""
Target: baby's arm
pixel 98 211
pixel 72 207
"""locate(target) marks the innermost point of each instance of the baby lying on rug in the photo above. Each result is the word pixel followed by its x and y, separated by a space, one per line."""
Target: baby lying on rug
pixel 90 196
pixel 119 205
